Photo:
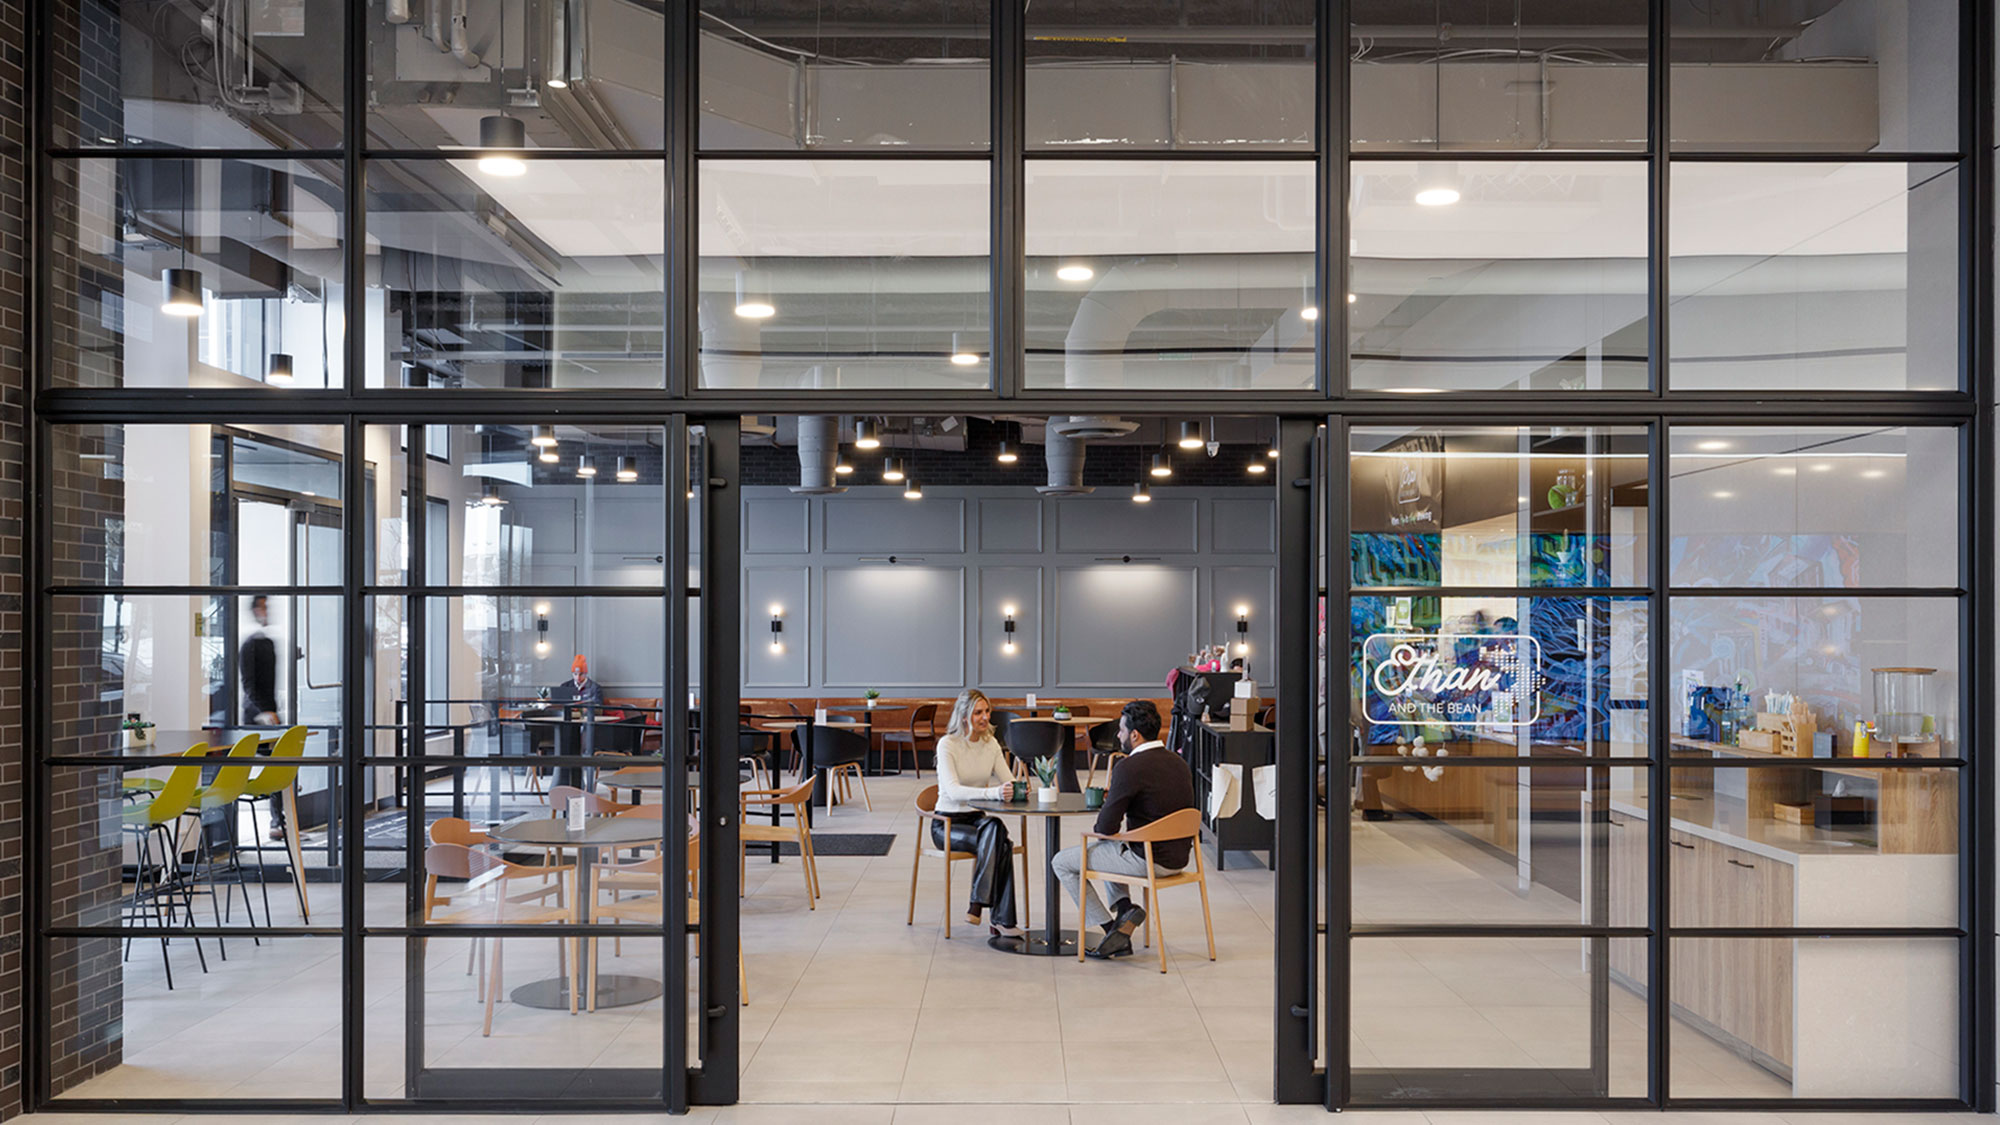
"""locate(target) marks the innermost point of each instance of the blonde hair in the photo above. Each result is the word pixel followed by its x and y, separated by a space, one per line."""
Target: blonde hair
pixel 961 711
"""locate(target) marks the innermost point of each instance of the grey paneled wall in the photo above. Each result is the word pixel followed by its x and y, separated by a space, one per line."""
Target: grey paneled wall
pixel 1086 622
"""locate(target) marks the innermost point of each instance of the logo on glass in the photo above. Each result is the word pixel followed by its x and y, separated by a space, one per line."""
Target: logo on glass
pixel 1445 679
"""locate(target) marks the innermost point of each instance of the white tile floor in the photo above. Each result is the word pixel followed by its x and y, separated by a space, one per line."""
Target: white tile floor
pixel 857 1017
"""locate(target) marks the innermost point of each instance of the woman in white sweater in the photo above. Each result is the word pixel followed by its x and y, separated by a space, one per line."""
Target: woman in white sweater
pixel 972 767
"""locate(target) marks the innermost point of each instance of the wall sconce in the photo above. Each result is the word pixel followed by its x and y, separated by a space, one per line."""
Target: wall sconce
pixel 1008 646
pixel 1242 629
pixel 541 629
pixel 777 628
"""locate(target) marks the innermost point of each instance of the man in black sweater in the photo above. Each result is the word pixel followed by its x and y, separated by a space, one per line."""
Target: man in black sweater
pixel 1149 783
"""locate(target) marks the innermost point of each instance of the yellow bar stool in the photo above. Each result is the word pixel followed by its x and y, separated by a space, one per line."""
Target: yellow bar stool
pixel 156 818
pixel 221 794
pixel 280 783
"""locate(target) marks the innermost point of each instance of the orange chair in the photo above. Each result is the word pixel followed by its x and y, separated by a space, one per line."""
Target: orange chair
pixel 922 735
pixel 484 873
pixel 1181 825
pixel 797 832
pixel 927 815
pixel 648 877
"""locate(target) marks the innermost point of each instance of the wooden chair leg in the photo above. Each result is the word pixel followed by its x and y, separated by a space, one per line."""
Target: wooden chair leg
pixel 1206 920
pixel 742 976
pixel 916 857
pixel 947 886
pixel 1146 904
pixel 806 867
pixel 592 1006
pixel 862 780
pixel 1159 931
pixel 493 986
pixel 575 971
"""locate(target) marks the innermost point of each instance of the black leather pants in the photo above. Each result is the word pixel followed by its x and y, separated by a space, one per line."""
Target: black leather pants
pixel 993 863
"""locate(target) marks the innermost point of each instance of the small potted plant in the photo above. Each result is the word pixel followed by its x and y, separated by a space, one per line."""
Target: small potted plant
pixel 871 695
pixel 1045 772
pixel 138 732
pixel 1062 711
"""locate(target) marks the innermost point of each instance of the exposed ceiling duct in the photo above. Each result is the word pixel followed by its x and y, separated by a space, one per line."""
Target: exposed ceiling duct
pixel 819 451
pixel 1064 455
pixel 1091 427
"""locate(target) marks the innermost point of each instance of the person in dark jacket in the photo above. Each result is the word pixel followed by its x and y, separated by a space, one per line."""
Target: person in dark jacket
pixel 257 671
pixel 1149 783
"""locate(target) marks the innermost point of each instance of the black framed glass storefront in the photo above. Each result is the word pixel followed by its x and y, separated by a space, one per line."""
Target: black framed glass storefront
pixel 1644 358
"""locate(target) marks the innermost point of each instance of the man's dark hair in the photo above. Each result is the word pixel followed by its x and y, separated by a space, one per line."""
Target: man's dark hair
pixel 258 601
pixel 1142 718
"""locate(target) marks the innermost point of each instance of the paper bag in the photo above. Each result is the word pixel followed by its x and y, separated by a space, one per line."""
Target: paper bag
pixel 1264 785
pixel 1225 791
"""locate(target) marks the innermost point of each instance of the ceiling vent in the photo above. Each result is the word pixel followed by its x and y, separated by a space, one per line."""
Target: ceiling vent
pixel 1091 427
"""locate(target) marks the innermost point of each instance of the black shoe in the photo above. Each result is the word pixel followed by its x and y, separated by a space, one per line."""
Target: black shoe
pixel 1117 943
pixel 1131 917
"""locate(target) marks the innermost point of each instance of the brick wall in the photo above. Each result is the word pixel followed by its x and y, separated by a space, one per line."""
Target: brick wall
pixel 14 140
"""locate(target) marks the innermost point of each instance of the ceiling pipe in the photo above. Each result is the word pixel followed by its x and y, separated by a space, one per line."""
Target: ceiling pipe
pixel 819 452
pixel 399 11
pixel 1064 456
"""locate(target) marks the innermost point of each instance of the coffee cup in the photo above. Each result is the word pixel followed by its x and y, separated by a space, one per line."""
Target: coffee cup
pixel 1020 791
pixel 1093 797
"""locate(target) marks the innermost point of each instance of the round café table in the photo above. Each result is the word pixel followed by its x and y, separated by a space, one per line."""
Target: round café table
pixel 1053 940
pixel 553 833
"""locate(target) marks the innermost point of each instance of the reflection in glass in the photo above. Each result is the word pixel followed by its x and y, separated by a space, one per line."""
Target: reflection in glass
pixel 1459 74
pixel 1498 276
pixel 1819 506
pixel 259 301
pixel 1472 1018
pixel 1814 277
pixel 821 275
pixel 245 76
pixel 1205 74
pixel 547 279
pixel 1814 1017
pixel 124 1034
pixel 1833 78
pixel 574 76
pixel 1744 663
pixel 1436 842
pixel 1500 676
pixel 836 76
pixel 157 505
pixel 1158 275
pixel 1498 507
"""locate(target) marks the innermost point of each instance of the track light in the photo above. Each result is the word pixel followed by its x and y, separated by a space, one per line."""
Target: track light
pixel 1163 466
pixel 1191 436
pixel 892 468
pixel 865 436
pixel 586 466
pixel 500 132
pixel 628 468
pixel 1142 493
pixel 753 301
pixel 182 289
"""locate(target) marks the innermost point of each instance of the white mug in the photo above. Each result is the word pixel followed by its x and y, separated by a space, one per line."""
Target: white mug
pixel 576 814
pixel 819 715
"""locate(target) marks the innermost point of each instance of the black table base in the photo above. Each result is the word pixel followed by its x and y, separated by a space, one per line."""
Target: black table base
pixel 1036 944
pixel 612 992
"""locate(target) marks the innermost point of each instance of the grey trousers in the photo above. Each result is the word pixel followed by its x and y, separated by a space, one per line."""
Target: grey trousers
pixel 1105 858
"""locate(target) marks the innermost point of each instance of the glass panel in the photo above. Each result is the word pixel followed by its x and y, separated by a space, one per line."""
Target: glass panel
pixel 1203 74
pixel 1463 844
pixel 549 277
pixel 1825 506
pixel 191 666
pixel 1814 1018
pixel 120 1032
pixel 1497 276
pixel 1159 275
pixel 1559 506
pixel 584 75
pixel 1534 1019
pixel 1464 677
pixel 427 1033
pixel 244 504
pixel 1847 845
pixel 202 843
pixel 1463 74
pixel 1825 78
pixel 844 76
pixel 539 504
pixel 259 301
pixel 134 73
pixel 1801 676
pixel 821 275
pixel 1814 277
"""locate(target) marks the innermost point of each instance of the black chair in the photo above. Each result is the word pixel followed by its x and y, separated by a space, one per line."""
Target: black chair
pixel 1001 721
pixel 1028 739
pixel 760 747
pixel 1103 744
pixel 838 753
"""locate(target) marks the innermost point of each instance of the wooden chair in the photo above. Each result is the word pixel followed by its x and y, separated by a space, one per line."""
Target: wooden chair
pixel 922 735
pixel 797 832
pixel 842 753
pixel 649 876
pixel 1181 825
pixel 610 779
pixel 485 873
pixel 928 815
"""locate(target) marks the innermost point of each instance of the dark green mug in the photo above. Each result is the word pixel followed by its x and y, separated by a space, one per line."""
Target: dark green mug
pixel 1093 797
pixel 1020 791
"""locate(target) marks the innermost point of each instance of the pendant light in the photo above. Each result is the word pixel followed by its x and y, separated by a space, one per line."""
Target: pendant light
pixel 1257 468
pixel 753 298
pixel 586 466
pixel 892 468
pixel 1308 304
pixel 181 287
pixel 548 455
pixel 498 133
pixel 1010 445
pixel 489 494
pixel 1163 466
pixel 1437 184
pixel 842 466
pixel 913 490
pixel 545 437
pixel 964 349
pixel 628 468
pixel 865 435
pixel 278 368
pixel 1142 493
pixel 1191 436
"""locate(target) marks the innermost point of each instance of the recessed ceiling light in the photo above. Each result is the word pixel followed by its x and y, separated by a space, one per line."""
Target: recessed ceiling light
pixel 1075 273
pixel 1722 494
pixel 1821 467
pixel 1786 470
pixel 1711 445
pixel 1874 473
